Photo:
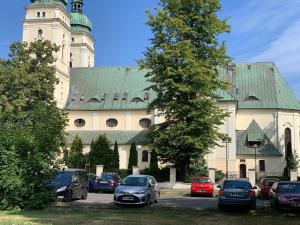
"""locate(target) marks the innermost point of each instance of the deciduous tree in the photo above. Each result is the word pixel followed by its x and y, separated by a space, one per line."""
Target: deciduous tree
pixel 182 61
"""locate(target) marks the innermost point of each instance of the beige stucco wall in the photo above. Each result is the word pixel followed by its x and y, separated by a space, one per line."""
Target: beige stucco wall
pixel 217 158
pixel 56 28
pixel 124 151
pixel 82 49
pixel 96 120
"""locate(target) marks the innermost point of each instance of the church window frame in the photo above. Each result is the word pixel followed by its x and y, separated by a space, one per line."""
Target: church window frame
pixel 79 122
pixel 145 156
pixel 145 123
pixel 112 122
pixel 38 14
pixel 44 14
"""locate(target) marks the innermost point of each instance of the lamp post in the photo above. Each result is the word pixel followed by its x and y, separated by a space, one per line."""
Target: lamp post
pixel 226 140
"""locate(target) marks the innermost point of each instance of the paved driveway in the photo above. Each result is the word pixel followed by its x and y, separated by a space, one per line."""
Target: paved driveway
pixel 103 200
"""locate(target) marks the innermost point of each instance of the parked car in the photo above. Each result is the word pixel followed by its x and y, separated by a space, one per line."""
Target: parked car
pixel 285 194
pixel 70 184
pixel 91 179
pixel 106 182
pixel 238 192
pixel 202 185
pixel 138 190
pixel 265 185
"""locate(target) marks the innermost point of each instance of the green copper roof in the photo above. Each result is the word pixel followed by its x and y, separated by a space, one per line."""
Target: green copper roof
pixel 108 88
pixel 80 22
pixel 50 2
pixel 260 85
pixel 255 133
pixel 122 137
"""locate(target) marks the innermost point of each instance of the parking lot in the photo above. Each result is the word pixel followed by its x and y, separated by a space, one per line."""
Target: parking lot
pixel 105 200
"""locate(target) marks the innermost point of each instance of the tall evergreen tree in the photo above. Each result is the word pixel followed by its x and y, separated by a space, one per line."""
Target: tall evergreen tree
pixel 132 156
pixel 76 158
pixel 100 154
pixel 182 60
pixel 153 160
pixel 115 157
pixel 31 126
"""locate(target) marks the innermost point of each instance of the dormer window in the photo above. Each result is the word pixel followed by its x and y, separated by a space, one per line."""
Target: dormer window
pixel 254 144
pixel 82 98
pixel 125 95
pixel 137 99
pixel 252 98
pixel 94 100
pixel 116 97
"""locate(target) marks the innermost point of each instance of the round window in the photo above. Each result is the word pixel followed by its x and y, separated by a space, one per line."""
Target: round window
pixel 79 122
pixel 145 123
pixel 111 122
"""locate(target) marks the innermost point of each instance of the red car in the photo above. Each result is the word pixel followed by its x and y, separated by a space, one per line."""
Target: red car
pixel 265 186
pixel 202 186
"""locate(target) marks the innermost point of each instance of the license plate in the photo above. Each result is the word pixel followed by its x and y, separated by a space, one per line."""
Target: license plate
pixel 103 182
pixel 295 204
pixel 201 191
pixel 235 194
pixel 127 198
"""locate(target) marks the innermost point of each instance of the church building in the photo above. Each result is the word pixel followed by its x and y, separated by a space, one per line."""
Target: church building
pixel 264 113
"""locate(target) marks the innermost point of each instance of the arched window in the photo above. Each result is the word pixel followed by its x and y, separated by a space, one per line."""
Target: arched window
pixel 112 122
pixel 145 155
pixel 40 34
pixel 79 122
pixel 287 140
pixel 145 123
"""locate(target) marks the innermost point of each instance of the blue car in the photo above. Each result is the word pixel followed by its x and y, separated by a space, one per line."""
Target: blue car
pixel 237 192
pixel 107 182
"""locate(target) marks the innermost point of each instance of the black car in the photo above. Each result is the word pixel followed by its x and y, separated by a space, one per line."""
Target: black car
pixel 70 184
pixel 107 182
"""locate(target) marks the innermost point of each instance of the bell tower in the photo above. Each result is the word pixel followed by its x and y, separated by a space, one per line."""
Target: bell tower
pixel 49 20
pixel 82 42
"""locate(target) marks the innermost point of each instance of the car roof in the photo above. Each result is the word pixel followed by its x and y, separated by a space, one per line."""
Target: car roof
pixel 289 182
pixel 139 176
pixel 201 177
pixel 71 170
pixel 238 179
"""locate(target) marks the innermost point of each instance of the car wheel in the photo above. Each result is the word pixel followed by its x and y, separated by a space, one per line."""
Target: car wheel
pixel 84 194
pixel 148 201
pixel 157 199
pixel 220 207
pixel 68 197
pixel 253 207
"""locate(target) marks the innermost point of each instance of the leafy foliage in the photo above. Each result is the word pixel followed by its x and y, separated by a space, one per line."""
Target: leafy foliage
pixel 101 154
pixel 132 156
pixel 76 158
pixel 31 126
pixel 182 62
pixel 292 160
pixel 115 157
pixel 153 160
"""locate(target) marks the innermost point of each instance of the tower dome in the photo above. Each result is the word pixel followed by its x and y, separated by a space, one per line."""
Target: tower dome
pixel 79 21
pixel 62 3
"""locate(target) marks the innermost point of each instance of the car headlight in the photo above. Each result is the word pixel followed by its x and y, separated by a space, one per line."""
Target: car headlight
pixel 61 189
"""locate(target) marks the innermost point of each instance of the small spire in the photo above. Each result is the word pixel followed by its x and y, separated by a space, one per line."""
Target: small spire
pixel 77 6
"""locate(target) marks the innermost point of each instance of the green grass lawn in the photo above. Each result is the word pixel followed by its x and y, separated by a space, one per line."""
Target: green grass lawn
pixel 146 216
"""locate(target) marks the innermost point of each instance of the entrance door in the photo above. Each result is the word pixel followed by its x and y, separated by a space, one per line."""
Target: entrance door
pixel 242 171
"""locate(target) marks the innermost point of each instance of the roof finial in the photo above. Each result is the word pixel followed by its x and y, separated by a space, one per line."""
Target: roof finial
pixel 77 6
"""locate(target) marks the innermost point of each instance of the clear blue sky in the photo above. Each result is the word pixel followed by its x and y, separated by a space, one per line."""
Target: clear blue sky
pixel 262 30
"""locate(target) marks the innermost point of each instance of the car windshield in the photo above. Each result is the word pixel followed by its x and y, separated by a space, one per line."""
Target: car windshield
pixel 201 180
pixel 289 188
pixel 237 184
pixel 107 177
pixel 270 182
pixel 62 178
pixel 135 181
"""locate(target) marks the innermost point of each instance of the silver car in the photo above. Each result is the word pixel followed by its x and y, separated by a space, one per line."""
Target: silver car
pixel 137 190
